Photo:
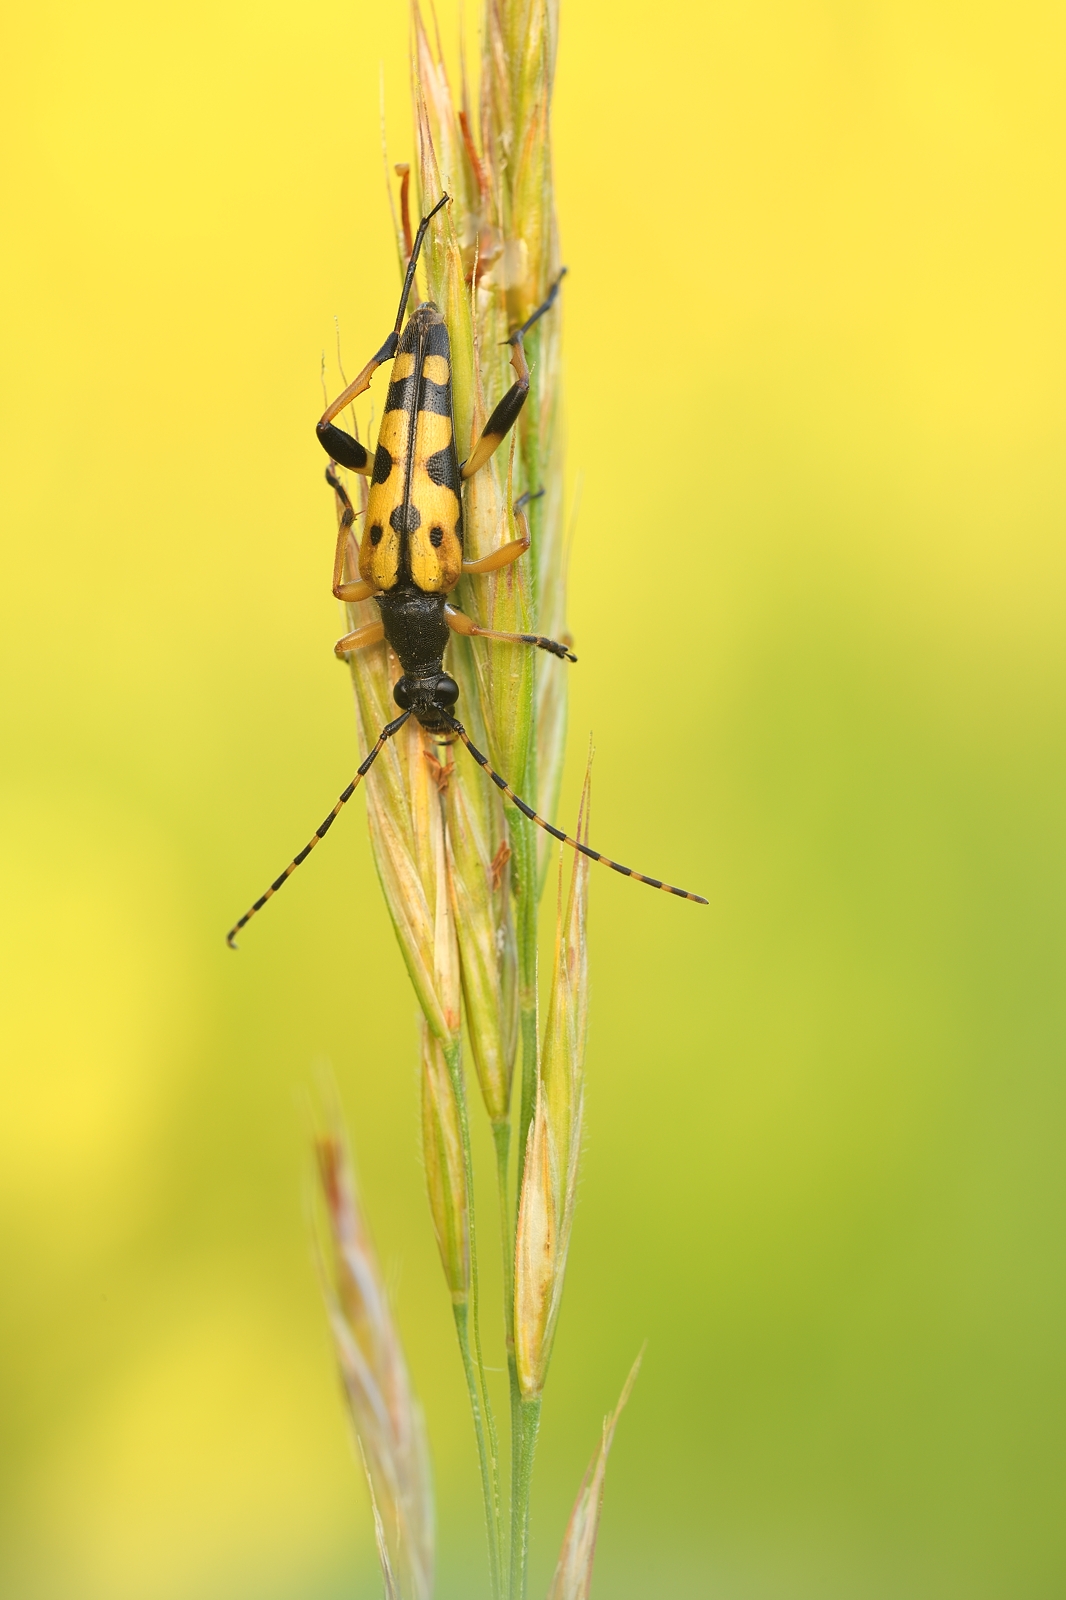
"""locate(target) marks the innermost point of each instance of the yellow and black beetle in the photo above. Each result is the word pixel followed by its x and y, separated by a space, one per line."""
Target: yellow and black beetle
pixel 411 555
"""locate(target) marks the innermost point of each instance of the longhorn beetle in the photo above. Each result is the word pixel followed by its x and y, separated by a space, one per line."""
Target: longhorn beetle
pixel 411 556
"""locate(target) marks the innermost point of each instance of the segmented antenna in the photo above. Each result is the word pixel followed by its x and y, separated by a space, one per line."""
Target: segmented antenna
pixel 557 833
pixel 409 277
pixel 320 833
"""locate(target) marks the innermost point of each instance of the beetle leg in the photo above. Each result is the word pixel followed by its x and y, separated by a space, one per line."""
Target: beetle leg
pixel 507 552
pixel 351 592
pixel 506 413
pixel 369 633
pixel 337 444
pixel 498 558
pixel 460 623
pixel 357 589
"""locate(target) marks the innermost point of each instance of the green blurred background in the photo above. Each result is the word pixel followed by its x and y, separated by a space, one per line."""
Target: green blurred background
pixel 815 356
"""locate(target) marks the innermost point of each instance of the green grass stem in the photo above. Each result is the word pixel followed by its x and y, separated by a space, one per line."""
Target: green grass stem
pixel 473 1361
pixel 528 1427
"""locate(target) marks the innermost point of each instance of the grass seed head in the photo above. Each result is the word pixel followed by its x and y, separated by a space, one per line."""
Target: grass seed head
pixel 387 1422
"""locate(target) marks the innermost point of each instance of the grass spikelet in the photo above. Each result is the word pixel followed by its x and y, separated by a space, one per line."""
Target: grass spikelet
pixel 573 1574
pixel 386 1421
pixel 442 1154
pixel 443 169
pixel 549 1184
pixel 478 854
pixel 548 1189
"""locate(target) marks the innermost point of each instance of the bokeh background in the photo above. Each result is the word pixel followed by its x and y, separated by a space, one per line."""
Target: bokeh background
pixel 815 356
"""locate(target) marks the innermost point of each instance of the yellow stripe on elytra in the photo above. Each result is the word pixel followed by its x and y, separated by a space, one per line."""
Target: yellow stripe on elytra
pixel 435 368
pixel 379 563
pixel 435 568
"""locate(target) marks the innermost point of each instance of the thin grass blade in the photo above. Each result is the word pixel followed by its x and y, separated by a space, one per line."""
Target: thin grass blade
pixel 573 1574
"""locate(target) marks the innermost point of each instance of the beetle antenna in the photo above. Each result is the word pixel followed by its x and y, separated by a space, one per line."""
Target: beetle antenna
pixel 557 833
pixel 413 263
pixel 320 833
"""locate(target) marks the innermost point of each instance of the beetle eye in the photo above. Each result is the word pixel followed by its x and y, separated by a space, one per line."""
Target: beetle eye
pixel 447 691
pixel 402 695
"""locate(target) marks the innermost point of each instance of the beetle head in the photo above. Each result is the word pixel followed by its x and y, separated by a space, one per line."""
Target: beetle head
pixel 430 698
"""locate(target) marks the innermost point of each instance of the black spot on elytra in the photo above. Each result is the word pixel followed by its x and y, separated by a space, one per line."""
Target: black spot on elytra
pixel 436 537
pixel 442 468
pixel 405 519
pixel 375 533
pixel 382 464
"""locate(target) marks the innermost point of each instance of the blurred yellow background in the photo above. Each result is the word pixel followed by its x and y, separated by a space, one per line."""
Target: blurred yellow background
pixel 815 351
